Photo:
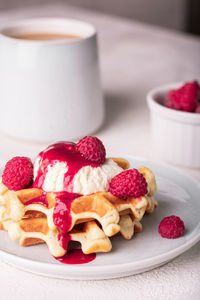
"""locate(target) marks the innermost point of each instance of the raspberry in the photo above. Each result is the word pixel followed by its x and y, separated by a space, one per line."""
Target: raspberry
pixel 92 149
pixel 185 98
pixel 128 183
pixel 18 173
pixel 197 111
pixel 171 227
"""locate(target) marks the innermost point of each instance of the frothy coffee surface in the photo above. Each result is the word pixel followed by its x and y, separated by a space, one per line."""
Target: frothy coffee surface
pixel 45 36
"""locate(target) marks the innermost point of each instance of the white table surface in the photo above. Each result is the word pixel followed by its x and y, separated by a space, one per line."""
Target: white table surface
pixel 134 58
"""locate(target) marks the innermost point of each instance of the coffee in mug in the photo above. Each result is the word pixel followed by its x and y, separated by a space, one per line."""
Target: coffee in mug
pixel 45 36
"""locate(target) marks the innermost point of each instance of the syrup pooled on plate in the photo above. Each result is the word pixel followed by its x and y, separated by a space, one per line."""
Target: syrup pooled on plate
pixel 75 257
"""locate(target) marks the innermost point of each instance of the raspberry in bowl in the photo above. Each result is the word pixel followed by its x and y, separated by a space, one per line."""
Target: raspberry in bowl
pixel 175 123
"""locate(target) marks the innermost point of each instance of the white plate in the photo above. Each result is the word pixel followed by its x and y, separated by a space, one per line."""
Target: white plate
pixel 177 194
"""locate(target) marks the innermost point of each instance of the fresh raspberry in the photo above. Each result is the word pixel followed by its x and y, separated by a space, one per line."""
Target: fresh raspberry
pixel 171 227
pixel 185 98
pixel 197 111
pixel 18 173
pixel 92 149
pixel 128 183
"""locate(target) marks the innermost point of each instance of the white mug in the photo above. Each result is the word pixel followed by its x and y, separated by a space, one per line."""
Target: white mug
pixel 50 89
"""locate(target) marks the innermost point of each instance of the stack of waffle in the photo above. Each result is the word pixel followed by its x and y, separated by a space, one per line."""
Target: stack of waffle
pixel 94 218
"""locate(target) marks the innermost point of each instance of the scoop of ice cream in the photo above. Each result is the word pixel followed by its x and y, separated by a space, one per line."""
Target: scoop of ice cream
pixel 91 180
pixel 61 168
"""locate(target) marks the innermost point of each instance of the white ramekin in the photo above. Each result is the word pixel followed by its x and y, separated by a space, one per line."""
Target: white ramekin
pixel 175 134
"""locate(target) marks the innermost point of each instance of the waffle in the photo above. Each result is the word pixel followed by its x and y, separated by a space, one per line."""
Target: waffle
pixel 94 206
pixel 32 231
pixel 36 231
pixel 123 163
pixel 101 206
pixel 128 226
pixel 150 179
pixel 95 217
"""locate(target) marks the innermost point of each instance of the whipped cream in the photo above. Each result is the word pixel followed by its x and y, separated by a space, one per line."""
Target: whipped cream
pixel 90 180
pixel 53 176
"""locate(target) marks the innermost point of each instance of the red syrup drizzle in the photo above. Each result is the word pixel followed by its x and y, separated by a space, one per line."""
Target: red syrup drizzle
pixel 38 200
pixel 61 213
pixel 62 219
pixel 61 152
pixel 76 256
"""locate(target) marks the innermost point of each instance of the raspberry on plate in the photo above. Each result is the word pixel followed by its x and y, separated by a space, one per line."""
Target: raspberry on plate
pixel 92 149
pixel 18 173
pixel 185 98
pixel 130 183
pixel 171 227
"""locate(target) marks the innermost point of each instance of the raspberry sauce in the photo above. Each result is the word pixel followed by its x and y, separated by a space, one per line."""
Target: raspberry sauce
pixel 61 213
pixel 64 240
pixel 38 200
pixel 61 152
pixel 76 256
